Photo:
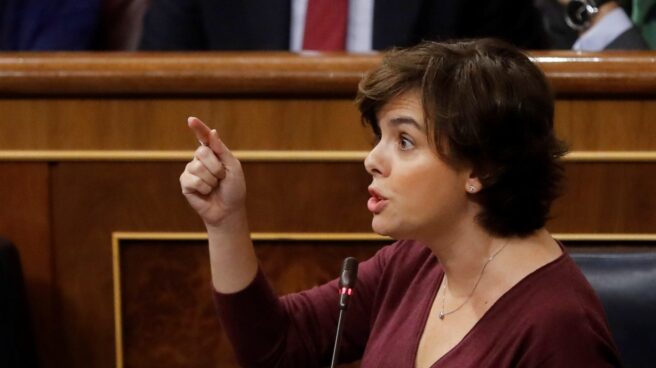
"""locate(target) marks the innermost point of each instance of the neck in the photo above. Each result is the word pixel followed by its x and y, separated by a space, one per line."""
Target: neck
pixel 463 252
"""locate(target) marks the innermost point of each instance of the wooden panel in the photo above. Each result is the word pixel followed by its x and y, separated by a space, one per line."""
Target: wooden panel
pixel 318 197
pixel 90 200
pixel 607 198
pixel 169 318
pixel 148 124
pixel 24 219
pixel 607 125
pixel 273 124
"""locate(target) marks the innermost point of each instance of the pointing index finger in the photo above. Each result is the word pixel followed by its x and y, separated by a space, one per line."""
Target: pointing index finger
pixel 199 128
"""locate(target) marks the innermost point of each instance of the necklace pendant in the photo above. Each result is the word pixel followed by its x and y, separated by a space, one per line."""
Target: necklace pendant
pixel 441 315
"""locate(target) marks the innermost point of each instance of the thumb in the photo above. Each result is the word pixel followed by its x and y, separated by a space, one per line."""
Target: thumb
pixel 220 149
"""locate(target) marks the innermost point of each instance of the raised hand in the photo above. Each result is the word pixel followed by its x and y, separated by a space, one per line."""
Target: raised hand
pixel 213 182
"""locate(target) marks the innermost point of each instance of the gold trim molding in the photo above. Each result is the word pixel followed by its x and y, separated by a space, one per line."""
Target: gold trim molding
pixel 299 236
pixel 118 312
pixel 243 155
pixel 294 236
pixel 605 237
pixel 276 156
pixel 117 237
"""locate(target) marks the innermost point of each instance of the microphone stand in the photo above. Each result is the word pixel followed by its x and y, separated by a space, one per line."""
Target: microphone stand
pixel 347 282
pixel 338 338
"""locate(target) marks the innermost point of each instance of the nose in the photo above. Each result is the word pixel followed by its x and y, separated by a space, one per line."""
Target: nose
pixel 373 162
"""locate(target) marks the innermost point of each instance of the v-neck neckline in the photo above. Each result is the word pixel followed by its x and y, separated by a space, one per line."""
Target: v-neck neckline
pixel 428 307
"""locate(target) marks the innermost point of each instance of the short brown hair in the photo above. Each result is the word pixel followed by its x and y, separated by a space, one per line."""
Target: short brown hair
pixel 487 106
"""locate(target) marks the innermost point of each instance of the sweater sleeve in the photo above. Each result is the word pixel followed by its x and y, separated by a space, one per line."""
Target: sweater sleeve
pixel 298 330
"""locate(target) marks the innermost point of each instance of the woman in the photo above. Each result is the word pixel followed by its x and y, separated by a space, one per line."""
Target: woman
pixel 463 174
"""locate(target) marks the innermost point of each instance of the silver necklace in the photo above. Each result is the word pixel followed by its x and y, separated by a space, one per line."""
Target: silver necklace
pixel 480 276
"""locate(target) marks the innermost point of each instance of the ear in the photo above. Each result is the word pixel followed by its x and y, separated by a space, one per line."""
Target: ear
pixel 473 184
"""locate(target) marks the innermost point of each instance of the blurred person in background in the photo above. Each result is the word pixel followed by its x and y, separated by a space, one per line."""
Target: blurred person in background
pixel 597 25
pixel 357 25
pixel 70 25
pixel 49 25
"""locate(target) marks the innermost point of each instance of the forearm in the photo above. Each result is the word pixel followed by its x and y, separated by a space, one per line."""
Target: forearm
pixel 232 257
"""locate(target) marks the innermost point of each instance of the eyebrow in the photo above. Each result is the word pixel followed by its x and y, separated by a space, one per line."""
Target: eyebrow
pixel 402 120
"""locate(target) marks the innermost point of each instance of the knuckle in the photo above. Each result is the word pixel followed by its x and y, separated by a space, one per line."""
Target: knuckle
pixel 197 182
pixel 184 185
pixel 203 152
pixel 190 166
pixel 184 178
pixel 195 167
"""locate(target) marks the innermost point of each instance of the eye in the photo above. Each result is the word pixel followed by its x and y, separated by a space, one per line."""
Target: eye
pixel 405 143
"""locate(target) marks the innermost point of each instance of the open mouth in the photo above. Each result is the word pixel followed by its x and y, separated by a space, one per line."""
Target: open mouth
pixel 376 202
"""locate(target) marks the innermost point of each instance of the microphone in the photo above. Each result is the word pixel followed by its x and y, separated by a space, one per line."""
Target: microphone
pixel 347 280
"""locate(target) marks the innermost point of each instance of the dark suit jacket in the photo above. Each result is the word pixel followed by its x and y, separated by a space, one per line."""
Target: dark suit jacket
pixel 49 25
pixel 631 39
pixel 265 24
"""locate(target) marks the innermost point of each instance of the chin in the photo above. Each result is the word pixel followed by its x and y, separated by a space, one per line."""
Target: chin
pixel 379 226
pixel 395 229
pixel 384 228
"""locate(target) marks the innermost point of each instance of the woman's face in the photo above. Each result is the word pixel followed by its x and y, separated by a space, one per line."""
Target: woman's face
pixel 414 193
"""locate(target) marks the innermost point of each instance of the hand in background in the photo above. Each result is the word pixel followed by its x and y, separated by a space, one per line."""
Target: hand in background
pixel 603 10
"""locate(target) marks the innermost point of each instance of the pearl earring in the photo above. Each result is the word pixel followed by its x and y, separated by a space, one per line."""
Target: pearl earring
pixel 471 188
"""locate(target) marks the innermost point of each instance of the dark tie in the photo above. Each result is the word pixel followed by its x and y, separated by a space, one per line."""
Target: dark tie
pixel 325 25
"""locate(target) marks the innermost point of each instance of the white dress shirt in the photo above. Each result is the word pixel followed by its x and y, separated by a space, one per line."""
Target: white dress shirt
pixel 604 31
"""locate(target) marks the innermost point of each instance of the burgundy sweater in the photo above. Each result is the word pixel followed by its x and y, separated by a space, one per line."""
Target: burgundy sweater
pixel 551 318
